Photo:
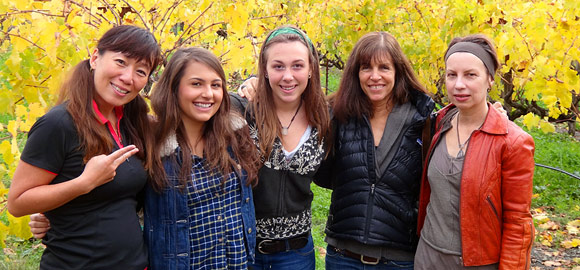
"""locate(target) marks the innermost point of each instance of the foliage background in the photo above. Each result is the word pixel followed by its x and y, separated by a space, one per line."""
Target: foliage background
pixel 41 40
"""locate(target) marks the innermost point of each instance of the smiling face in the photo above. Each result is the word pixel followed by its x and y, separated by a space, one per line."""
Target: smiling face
pixel 377 79
pixel 118 78
pixel 288 69
pixel 200 94
pixel 467 81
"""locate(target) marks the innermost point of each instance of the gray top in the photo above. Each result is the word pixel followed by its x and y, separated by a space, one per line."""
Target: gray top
pixel 442 230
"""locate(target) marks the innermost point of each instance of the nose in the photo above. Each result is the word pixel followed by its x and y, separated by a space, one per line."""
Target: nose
pixel 287 76
pixel 459 84
pixel 127 76
pixel 207 92
pixel 375 74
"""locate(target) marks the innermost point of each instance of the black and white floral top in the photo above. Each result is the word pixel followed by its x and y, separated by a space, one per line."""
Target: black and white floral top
pixel 283 197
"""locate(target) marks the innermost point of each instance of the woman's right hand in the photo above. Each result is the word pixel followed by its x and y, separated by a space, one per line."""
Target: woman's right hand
pixel 39 225
pixel 248 88
pixel 31 190
pixel 101 169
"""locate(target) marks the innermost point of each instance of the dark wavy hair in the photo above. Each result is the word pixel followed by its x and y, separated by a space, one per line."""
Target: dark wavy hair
pixel 78 93
pixel 350 100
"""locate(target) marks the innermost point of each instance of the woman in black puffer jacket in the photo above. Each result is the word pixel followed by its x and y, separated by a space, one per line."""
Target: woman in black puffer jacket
pixel 374 168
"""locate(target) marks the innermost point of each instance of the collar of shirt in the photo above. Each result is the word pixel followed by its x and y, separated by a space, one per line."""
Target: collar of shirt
pixel 103 120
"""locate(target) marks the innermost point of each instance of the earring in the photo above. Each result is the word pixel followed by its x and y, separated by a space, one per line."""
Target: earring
pixel 266 76
pixel 309 75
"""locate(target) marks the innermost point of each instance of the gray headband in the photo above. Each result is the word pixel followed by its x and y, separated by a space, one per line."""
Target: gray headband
pixel 475 49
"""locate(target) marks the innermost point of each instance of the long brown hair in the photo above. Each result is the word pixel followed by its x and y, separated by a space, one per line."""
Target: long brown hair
pixel 313 97
pixel 218 132
pixel 78 93
pixel 350 100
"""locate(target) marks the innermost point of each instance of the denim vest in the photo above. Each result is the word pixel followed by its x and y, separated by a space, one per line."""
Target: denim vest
pixel 167 221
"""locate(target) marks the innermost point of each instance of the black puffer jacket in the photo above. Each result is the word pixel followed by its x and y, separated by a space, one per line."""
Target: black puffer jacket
pixel 375 209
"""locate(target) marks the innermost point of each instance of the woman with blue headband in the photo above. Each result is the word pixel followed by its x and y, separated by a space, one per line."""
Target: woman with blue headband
pixel 476 191
pixel 288 120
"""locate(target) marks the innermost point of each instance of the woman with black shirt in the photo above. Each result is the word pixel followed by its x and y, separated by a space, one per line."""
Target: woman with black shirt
pixel 76 166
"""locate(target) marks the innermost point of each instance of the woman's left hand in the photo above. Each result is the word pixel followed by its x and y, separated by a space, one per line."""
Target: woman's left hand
pixel 39 225
pixel 499 107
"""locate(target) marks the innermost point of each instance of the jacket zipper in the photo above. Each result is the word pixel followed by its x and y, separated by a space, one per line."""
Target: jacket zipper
pixel 493 208
pixel 460 188
pixel 372 189
pixel 528 252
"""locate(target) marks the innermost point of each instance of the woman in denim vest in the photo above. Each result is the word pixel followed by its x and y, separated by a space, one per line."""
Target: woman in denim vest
pixel 199 211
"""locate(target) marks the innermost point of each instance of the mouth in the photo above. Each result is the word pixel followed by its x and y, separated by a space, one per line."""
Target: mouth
pixel 119 90
pixel 288 88
pixel 203 105
pixel 376 86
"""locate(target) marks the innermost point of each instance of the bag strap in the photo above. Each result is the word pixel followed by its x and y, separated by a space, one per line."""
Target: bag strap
pixel 426 138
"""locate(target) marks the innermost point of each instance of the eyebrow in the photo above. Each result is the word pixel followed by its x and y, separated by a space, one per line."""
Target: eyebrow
pixel 298 60
pixel 200 79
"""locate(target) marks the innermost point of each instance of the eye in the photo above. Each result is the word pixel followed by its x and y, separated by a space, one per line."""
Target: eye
pixel 278 67
pixel 386 67
pixel 451 75
pixel 364 67
pixel 297 66
pixel 216 85
pixel 196 83
pixel 120 61
pixel 472 74
pixel 142 72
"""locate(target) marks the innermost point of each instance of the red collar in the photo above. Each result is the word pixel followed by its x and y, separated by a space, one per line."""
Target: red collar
pixel 103 120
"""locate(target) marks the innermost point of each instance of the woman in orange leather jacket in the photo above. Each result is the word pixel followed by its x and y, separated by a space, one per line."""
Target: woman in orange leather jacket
pixel 476 190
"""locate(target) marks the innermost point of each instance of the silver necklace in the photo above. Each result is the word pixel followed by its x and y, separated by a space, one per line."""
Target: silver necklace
pixel 461 153
pixel 285 129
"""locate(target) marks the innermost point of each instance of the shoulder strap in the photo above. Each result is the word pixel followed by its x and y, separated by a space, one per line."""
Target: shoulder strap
pixel 426 138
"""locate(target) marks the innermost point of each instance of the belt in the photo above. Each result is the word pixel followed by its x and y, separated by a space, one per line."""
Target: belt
pixel 268 246
pixel 347 253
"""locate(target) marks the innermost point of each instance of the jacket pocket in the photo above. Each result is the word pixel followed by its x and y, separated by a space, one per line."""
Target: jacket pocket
pixel 488 199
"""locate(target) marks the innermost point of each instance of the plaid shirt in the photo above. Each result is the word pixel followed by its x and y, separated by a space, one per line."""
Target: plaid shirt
pixel 216 228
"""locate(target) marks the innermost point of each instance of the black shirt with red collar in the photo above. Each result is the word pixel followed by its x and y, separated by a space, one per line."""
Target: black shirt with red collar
pixel 98 230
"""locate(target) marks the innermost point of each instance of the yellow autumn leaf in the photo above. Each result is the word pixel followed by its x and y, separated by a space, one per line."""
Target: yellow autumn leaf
pixel 531 120
pixel 568 244
pixel 6 152
pixel 547 127
pixel 3 233
pixel 19 226
pixel 12 128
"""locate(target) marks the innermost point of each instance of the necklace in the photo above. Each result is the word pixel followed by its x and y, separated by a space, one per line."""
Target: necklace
pixel 285 129
pixel 461 153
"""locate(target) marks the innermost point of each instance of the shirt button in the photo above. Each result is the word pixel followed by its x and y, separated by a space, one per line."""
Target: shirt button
pixel 250 230
pixel 221 239
pixel 239 167
pixel 219 217
pixel 247 200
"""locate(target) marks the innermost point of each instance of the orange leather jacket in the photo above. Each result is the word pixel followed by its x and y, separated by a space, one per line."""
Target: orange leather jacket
pixel 496 193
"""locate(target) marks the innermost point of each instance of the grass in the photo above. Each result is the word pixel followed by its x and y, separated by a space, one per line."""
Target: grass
pixel 558 193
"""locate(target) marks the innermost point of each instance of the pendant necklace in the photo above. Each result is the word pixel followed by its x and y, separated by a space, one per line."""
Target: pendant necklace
pixel 461 153
pixel 285 129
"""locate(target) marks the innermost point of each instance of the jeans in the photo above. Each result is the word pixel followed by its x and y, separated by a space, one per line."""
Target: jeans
pixel 337 261
pixel 299 259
